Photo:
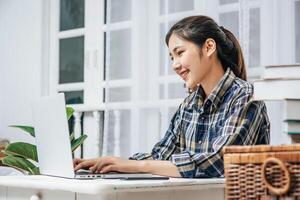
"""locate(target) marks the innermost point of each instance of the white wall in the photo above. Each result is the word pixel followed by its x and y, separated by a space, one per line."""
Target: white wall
pixel 20 63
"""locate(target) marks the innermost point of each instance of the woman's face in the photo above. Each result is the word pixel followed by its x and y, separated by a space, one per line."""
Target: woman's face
pixel 187 62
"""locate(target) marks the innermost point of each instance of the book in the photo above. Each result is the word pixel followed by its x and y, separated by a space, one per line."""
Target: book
pixel 282 71
pixel 291 108
pixel 277 89
pixel 292 127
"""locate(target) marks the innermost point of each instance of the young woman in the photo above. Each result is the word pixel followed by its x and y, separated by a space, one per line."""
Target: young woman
pixel 219 111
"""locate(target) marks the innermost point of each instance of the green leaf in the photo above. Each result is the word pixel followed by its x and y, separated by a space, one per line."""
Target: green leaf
pixel 72 136
pixel 22 149
pixel 70 112
pixel 28 129
pixel 20 163
pixel 77 142
pixel 6 153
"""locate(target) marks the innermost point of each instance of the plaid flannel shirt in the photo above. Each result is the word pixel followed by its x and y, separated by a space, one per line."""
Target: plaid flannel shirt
pixel 199 130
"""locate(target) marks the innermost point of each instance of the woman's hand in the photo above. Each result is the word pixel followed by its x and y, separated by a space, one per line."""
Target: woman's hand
pixel 108 164
pixel 116 164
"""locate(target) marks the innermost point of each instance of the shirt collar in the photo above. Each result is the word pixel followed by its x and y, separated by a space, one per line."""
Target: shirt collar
pixel 217 94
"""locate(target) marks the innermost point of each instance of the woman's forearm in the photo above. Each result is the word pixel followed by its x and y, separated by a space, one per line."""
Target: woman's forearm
pixel 159 167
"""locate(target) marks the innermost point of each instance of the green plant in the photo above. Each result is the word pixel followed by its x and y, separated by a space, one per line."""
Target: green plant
pixel 23 156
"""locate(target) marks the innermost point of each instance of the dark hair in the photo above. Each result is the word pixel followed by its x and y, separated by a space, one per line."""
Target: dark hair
pixel 197 29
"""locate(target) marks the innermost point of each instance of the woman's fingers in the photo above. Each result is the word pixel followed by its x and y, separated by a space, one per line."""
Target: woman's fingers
pixel 104 161
pixel 108 168
pixel 103 164
pixel 85 164
pixel 76 161
pixel 93 168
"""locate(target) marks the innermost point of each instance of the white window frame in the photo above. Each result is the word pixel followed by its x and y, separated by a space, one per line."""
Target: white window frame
pixel 92 50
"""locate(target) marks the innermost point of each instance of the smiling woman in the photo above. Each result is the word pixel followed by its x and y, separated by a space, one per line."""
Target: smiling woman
pixel 219 111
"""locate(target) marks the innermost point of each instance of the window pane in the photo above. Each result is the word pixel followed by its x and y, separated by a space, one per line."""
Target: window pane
pixel 118 10
pixel 163 49
pixel 118 94
pixel 176 90
pixel 119 122
pixel 230 21
pixel 149 128
pixel 176 6
pixel 254 38
pixel 297 29
pixel 171 112
pixel 161 91
pixel 222 2
pixel 71 14
pixel 164 58
pixel 71 60
pixel 74 97
pixel 119 54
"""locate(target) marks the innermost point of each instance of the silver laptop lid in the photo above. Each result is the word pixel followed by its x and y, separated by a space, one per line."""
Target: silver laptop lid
pixel 52 136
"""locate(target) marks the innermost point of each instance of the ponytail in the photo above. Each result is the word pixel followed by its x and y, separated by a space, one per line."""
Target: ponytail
pixel 232 55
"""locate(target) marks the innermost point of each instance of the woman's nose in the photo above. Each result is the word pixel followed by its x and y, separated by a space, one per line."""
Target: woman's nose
pixel 176 65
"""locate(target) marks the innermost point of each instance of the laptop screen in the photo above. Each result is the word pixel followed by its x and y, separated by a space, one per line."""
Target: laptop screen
pixel 52 136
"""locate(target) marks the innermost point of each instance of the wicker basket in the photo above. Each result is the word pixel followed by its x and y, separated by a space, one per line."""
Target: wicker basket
pixel 262 172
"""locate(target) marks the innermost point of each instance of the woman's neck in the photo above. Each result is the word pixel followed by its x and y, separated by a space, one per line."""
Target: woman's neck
pixel 213 78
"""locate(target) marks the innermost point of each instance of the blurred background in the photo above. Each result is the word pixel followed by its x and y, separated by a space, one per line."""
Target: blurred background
pixel 110 60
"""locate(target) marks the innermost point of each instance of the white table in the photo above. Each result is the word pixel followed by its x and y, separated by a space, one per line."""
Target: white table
pixel 46 188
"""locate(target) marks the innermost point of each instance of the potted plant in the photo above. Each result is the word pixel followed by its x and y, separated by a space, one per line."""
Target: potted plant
pixel 23 156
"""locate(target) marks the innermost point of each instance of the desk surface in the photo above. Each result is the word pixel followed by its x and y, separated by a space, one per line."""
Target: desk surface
pixel 104 185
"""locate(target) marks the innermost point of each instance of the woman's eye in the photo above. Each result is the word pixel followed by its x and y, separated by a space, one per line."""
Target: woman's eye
pixel 179 53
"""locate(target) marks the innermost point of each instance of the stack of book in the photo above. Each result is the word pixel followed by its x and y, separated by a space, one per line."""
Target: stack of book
pixel 279 82
pixel 282 83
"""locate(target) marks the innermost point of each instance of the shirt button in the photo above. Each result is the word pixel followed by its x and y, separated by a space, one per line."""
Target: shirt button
pixel 199 142
pixel 202 118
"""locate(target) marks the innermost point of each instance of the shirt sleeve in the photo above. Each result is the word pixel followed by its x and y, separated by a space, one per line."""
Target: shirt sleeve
pixel 167 146
pixel 240 127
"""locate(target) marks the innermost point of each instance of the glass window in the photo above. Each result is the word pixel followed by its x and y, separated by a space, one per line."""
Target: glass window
pixel 71 14
pixel 254 38
pixel 176 6
pixel 297 29
pixel 163 49
pixel 118 53
pixel 171 112
pixel 161 91
pixel 164 52
pixel 230 21
pixel 176 90
pixel 164 58
pixel 74 97
pixel 149 128
pixel 71 60
pixel 117 11
pixel 119 94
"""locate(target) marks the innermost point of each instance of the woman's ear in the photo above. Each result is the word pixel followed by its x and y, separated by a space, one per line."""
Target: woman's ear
pixel 209 47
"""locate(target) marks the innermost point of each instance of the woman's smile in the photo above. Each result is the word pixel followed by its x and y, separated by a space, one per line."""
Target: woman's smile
pixel 184 73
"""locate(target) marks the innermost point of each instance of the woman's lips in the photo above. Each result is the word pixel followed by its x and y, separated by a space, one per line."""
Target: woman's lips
pixel 184 74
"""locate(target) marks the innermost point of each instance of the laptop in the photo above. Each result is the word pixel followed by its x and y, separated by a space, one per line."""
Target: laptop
pixel 53 142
